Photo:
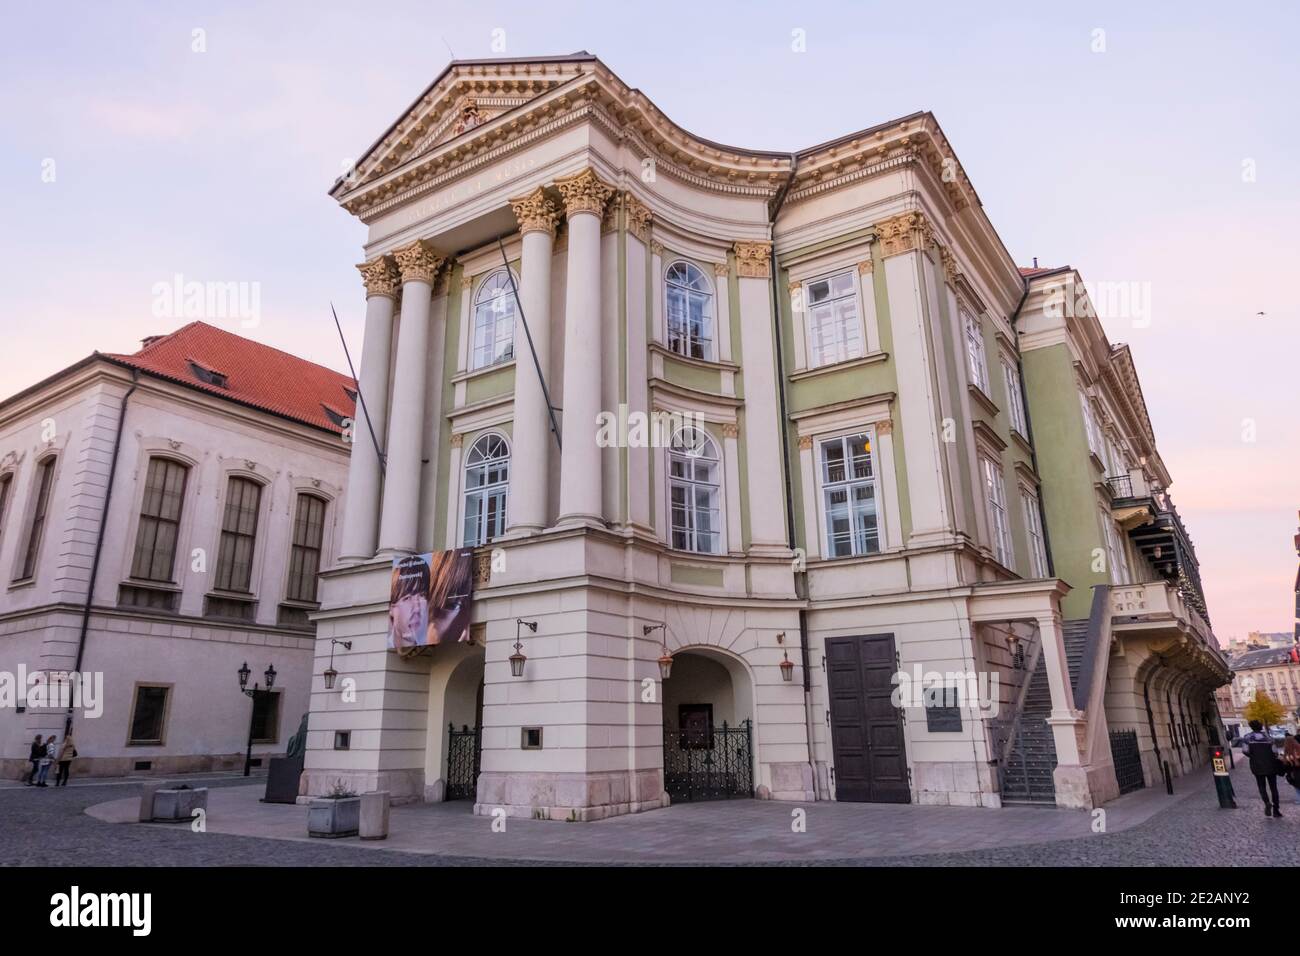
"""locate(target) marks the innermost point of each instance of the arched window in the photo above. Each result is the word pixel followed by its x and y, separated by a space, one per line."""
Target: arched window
pixel 487 478
pixel 690 311
pixel 494 321
pixel 694 495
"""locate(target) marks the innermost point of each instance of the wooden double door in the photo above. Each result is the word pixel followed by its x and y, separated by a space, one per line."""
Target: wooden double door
pixel 866 727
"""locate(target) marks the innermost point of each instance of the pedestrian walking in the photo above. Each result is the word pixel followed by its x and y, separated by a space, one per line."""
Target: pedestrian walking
pixel 66 755
pixel 1264 764
pixel 35 755
pixel 47 759
pixel 1291 757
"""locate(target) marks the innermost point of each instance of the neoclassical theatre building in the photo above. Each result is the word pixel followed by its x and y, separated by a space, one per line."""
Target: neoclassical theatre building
pixel 848 490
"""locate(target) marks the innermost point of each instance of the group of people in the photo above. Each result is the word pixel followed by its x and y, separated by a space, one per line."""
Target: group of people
pixel 45 753
pixel 1267 765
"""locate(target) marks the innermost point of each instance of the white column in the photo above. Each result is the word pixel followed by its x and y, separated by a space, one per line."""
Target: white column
pixel 1065 717
pixel 889 486
pixel 811 498
pixel 529 466
pixel 399 524
pixel 764 430
pixel 731 468
pixel 360 533
pixel 580 486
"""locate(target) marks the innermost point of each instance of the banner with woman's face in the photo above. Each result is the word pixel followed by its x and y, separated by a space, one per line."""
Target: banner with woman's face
pixel 429 602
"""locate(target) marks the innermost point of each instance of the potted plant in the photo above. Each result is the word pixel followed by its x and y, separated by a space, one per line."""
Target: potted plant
pixel 337 814
pixel 177 804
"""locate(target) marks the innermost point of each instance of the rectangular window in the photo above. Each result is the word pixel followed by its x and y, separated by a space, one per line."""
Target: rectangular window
pixel 849 496
pixel 1034 528
pixel 6 485
pixel 44 487
pixel 1015 398
pixel 266 717
pixel 238 535
pixel 979 370
pixel 149 715
pixel 160 521
pixel 1115 552
pixel 996 496
pixel 304 553
pixel 834 326
pixel 1090 425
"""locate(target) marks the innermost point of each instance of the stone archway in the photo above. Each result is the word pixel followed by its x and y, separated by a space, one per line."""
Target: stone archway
pixel 454 722
pixel 708 722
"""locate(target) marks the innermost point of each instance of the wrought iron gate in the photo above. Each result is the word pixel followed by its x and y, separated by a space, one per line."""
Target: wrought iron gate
pixel 708 764
pixel 462 762
pixel 1128 760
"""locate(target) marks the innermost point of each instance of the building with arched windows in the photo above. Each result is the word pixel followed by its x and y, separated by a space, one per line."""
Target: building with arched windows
pixel 163 517
pixel 828 578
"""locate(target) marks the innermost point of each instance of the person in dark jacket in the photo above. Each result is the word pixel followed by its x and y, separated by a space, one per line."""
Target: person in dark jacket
pixel 1264 765
pixel 35 756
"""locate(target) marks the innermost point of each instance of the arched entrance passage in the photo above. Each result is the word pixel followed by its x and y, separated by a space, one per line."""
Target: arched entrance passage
pixel 708 720
pixel 455 722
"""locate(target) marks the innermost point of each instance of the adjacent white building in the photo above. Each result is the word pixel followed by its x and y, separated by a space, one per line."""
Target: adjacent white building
pixel 197 483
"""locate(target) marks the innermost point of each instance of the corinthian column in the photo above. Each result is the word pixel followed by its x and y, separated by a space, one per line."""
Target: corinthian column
pixel 532 439
pixel 361 515
pixel 585 196
pixel 399 524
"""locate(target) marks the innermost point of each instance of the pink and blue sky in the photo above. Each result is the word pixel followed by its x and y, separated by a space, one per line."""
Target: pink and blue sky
pixel 1127 163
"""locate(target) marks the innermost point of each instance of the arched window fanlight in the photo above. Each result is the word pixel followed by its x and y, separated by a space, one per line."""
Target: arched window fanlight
pixel 494 321
pixel 694 492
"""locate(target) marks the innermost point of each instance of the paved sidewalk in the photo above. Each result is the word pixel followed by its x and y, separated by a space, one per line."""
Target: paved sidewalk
pixel 737 831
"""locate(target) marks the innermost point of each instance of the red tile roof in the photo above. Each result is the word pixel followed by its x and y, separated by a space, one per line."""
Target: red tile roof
pixel 255 374
pixel 1030 272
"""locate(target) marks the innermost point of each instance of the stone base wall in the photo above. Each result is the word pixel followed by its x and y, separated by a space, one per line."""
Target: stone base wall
pixel 954 783
pixel 15 769
pixel 577 797
pixel 403 786
pixel 791 781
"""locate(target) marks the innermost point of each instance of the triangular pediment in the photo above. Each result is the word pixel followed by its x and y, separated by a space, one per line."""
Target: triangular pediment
pixel 465 96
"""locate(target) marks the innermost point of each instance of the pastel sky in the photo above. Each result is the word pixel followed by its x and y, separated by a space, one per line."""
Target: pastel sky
pixel 1133 164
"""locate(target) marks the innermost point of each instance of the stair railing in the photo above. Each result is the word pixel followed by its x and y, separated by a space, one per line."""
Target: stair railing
pixel 1013 725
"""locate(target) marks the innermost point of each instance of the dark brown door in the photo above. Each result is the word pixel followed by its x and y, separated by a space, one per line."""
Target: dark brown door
pixel 866 727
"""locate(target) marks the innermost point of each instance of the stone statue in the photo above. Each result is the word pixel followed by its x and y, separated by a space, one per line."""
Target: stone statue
pixel 298 742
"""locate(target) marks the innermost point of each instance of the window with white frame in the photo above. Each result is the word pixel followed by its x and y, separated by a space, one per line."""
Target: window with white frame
pixel 1115 552
pixel 694 492
pixel 689 299
pixel 1090 424
pixel 1034 528
pixel 995 494
pixel 975 361
pixel 1015 397
pixel 849 496
pixel 487 481
pixel 494 321
pixel 43 491
pixel 834 319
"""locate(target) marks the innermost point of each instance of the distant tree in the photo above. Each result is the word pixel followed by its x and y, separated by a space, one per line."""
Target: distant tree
pixel 1264 709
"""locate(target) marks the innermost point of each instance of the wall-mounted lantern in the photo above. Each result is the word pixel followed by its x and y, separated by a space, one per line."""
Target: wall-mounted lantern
pixel 331 675
pixel 787 666
pixel 517 658
pixel 665 659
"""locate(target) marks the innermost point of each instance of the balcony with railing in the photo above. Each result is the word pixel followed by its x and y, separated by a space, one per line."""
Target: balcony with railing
pixel 1159 606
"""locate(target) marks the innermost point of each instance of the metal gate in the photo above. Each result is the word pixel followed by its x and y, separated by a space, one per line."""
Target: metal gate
pixel 708 764
pixel 462 762
pixel 1128 760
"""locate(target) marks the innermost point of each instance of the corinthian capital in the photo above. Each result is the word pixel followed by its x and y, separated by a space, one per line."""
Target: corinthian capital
pixel 379 277
pixel 585 192
pixel 754 259
pixel 906 233
pixel 418 262
pixel 535 213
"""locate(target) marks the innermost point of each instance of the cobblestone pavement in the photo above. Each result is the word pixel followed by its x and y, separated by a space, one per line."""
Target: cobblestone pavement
pixel 50 827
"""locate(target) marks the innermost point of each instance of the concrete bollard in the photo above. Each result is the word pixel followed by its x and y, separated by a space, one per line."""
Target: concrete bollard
pixel 374 815
pixel 147 795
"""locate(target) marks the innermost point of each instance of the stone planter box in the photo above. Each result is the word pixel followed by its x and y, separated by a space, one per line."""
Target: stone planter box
pixel 178 806
pixel 331 818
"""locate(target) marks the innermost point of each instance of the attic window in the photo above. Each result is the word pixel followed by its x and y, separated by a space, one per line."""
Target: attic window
pixel 208 376
pixel 351 393
pixel 334 415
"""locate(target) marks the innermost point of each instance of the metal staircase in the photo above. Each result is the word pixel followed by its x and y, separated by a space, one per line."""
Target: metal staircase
pixel 1026 770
